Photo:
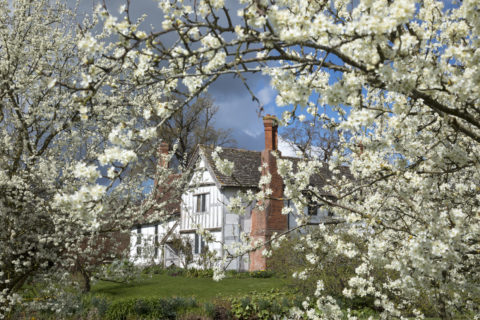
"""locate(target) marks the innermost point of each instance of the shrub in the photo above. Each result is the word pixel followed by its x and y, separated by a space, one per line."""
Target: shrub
pixel 165 308
pixel 264 305
pixel 237 274
pixel 183 247
pixel 201 312
pixel 335 271
pixel 95 304
pixel 199 273
pixel 252 274
pixel 222 310
pixel 261 274
pixel 154 269
pixel 120 310
pixel 175 271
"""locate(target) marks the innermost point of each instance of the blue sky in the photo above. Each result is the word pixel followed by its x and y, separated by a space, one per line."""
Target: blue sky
pixel 240 113
pixel 237 110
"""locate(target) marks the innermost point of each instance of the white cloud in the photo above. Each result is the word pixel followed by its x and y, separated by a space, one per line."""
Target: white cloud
pixel 286 148
pixel 266 95
pixel 250 133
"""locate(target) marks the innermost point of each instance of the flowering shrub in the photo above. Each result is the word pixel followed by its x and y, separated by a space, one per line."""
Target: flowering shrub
pixel 70 168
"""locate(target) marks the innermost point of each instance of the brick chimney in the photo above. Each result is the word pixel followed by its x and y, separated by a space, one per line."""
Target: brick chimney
pixel 269 220
pixel 162 161
pixel 270 126
pixel 162 153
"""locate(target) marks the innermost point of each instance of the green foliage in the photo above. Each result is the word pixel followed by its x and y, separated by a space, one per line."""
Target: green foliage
pixel 261 274
pixel 183 247
pixel 172 270
pixel 154 269
pixel 199 273
pixel 97 305
pixel 120 309
pixel 149 308
pixel 119 270
pixel 334 271
pixel 176 271
pixel 264 305
pixel 208 273
pixel 364 313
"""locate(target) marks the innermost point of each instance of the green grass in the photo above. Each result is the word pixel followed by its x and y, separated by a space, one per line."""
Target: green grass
pixel 203 289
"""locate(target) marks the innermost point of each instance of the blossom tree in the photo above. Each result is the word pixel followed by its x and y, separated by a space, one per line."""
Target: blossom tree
pixel 310 138
pixel 69 133
pixel 399 79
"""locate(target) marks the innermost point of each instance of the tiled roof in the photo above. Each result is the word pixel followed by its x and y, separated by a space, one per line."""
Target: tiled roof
pixel 246 173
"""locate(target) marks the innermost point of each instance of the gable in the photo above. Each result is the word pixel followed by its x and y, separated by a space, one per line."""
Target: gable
pixel 203 174
pixel 246 165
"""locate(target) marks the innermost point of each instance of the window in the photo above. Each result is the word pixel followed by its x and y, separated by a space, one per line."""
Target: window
pixel 156 241
pixel 199 244
pixel 139 240
pixel 201 202
pixel 312 209
pixel 312 206
pixel 139 235
pixel 328 212
pixel 318 208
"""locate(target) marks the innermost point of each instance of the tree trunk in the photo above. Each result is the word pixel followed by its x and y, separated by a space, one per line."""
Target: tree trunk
pixel 86 280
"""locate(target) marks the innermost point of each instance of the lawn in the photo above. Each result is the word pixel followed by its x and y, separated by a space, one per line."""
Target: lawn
pixel 203 289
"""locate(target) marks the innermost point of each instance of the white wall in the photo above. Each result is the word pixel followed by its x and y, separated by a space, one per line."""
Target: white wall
pixel 211 220
pixel 142 245
pixel 320 217
pixel 213 217
pixel 224 226
pixel 235 225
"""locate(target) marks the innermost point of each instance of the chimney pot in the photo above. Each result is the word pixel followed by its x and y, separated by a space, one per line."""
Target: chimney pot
pixel 162 152
pixel 270 124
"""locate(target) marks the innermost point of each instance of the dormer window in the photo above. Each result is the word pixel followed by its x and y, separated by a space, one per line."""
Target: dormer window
pixel 201 202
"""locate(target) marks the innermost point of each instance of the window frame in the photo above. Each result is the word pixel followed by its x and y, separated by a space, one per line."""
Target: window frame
pixel 199 244
pixel 201 201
